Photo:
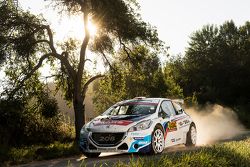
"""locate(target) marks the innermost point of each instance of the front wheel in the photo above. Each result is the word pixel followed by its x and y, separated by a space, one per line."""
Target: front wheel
pixel 91 155
pixel 191 136
pixel 157 142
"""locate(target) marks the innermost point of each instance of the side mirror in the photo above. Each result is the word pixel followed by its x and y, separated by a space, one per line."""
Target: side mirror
pixel 162 114
pixel 180 111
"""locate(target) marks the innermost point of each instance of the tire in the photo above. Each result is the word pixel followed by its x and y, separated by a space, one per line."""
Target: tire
pixel 191 136
pixel 157 141
pixel 91 155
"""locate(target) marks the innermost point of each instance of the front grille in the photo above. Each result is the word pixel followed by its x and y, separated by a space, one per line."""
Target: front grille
pixel 91 147
pixel 109 139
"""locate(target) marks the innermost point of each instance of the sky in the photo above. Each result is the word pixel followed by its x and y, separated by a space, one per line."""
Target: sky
pixel 175 20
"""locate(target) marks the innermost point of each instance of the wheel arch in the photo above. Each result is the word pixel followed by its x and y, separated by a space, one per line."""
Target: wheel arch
pixel 187 140
pixel 192 123
pixel 159 126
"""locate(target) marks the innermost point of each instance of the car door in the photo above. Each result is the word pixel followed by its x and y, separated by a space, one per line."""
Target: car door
pixel 183 122
pixel 172 135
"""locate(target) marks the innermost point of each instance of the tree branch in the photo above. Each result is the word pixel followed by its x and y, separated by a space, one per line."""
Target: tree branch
pixel 51 39
pixel 41 41
pixel 87 60
pixel 125 49
pixel 64 60
pixel 21 83
pixel 85 87
pixel 103 54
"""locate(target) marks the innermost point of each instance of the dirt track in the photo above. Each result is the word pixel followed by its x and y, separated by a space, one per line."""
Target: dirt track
pixel 108 159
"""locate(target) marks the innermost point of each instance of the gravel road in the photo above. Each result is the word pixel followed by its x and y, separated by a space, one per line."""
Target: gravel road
pixel 108 159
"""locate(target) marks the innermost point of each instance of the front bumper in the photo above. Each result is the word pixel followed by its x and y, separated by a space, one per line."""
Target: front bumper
pixel 131 142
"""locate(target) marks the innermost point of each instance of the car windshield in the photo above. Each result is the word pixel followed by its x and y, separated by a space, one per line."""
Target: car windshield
pixel 132 108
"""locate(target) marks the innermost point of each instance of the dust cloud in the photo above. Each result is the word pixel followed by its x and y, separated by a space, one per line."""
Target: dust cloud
pixel 215 123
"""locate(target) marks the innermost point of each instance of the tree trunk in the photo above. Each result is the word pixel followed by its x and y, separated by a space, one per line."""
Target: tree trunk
pixel 79 114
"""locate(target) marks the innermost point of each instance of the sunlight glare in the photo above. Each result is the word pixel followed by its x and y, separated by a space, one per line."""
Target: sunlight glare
pixel 92 28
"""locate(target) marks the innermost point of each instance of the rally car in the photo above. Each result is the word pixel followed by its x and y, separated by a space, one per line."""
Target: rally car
pixel 144 125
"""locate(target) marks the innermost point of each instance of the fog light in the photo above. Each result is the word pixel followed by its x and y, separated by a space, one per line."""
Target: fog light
pixel 136 146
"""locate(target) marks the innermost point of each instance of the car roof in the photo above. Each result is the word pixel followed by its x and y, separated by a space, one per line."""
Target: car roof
pixel 142 99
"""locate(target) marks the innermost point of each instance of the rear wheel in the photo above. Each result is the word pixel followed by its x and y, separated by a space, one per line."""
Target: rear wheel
pixel 191 136
pixel 157 141
pixel 91 155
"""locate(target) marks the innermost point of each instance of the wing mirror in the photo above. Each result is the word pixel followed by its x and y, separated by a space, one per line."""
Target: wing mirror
pixel 180 111
pixel 163 114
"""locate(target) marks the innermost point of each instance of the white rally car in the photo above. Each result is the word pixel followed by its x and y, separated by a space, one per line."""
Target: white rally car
pixel 146 125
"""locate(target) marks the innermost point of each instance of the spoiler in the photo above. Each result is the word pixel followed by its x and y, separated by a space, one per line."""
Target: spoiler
pixel 180 101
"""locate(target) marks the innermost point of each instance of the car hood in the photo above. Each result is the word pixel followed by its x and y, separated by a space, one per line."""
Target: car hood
pixel 119 123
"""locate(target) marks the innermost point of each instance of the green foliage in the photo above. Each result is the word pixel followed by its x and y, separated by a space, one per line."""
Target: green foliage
pixel 243 113
pixel 144 77
pixel 174 90
pixel 20 155
pixel 49 107
pixel 26 42
pixel 236 153
pixel 19 31
pixel 215 65
pixel 36 122
pixel 10 113
pixel 117 21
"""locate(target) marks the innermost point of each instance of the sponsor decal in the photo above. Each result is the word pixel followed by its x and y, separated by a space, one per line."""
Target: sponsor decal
pixel 172 126
pixel 106 149
pixel 184 123
pixel 179 118
pixel 141 103
pixel 135 134
pixel 181 123
pixel 142 142
pixel 112 122
pixel 138 138
pixel 178 139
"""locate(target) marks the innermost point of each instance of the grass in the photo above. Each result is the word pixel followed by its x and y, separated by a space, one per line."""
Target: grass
pixel 235 153
pixel 14 156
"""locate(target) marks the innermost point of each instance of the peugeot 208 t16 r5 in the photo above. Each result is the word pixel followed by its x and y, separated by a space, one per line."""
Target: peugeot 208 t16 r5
pixel 146 125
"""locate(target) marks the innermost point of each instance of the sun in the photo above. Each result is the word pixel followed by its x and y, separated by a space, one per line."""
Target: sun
pixel 92 28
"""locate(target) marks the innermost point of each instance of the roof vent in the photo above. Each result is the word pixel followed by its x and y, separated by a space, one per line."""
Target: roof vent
pixel 139 98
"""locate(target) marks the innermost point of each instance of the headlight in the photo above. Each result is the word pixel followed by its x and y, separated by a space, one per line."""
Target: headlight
pixel 84 129
pixel 141 126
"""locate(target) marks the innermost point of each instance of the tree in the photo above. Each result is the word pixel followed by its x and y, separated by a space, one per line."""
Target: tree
pixel 29 37
pixel 148 80
pixel 215 65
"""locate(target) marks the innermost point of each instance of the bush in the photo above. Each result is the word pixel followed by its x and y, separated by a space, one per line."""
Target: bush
pixel 243 112
pixel 36 123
